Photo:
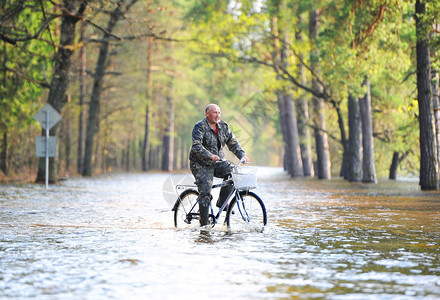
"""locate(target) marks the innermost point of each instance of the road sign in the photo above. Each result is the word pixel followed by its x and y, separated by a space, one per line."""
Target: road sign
pixel 47 112
pixel 41 146
pixel 47 146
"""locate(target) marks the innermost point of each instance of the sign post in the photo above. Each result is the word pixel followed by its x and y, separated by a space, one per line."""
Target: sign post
pixel 47 117
pixel 47 148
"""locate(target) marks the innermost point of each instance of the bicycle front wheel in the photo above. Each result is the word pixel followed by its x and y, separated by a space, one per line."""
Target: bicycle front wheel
pixel 246 213
pixel 186 210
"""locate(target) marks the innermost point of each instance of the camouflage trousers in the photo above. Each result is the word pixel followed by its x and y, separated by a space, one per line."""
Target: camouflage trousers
pixel 204 176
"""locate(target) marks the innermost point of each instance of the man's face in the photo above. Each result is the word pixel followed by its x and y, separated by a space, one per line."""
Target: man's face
pixel 213 114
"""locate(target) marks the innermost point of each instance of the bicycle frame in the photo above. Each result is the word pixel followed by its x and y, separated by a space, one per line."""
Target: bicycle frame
pixel 193 215
pixel 224 183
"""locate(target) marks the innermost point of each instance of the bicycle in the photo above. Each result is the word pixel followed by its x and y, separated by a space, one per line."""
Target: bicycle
pixel 243 207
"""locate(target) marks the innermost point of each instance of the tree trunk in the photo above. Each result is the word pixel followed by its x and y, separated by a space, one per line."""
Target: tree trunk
pixel 127 158
pixel 368 167
pixel 168 138
pixel 105 147
pixel 302 108
pixel 3 122
pixel 279 93
pixel 146 142
pixel 344 142
pixel 82 95
pixel 281 108
pixel 436 102
pixel 302 112
pixel 436 108
pixel 151 157
pixel 134 149
pixel 428 155
pixel 321 139
pixel 158 157
pixel 304 136
pixel 294 155
pixel 145 146
pixel 286 110
pixel 394 166
pixel 94 108
pixel 295 166
pixel 4 151
pixel 68 138
pixel 176 149
pixel 96 151
pixel 397 159
pixel 154 157
pixel 122 158
pixel 60 79
pixel 354 169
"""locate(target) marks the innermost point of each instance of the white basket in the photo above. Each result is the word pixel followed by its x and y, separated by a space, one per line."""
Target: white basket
pixel 244 178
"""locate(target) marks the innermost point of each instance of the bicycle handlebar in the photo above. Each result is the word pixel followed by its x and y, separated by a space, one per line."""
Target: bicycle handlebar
pixel 242 161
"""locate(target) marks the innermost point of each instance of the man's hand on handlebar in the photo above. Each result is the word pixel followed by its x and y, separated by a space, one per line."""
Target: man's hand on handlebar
pixel 214 157
pixel 245 160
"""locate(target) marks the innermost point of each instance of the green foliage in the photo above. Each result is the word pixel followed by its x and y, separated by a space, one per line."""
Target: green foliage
pixel 206 51
pixel 25 65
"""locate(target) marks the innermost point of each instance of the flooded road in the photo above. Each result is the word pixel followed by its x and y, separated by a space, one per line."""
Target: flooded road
pixel 112 237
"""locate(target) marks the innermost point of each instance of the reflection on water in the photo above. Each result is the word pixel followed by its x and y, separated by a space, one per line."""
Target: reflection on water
pixel 113 237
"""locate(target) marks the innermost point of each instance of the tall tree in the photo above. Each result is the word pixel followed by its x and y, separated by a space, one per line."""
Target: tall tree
pixel 295 162
pixel 149 99
pixel 436 90
pixel 281 101
pixel 287 107
pixel 4 131
pixel 4 138
pixel 321 139
pixel 82 96
pixel 436 108
pixel 428 155
pixel 292 137
pixel 94 108
pixel 302 110
pixel 354 165
pixel 368 166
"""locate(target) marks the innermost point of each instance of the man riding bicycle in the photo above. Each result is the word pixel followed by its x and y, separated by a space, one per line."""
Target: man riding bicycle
pixel 209 136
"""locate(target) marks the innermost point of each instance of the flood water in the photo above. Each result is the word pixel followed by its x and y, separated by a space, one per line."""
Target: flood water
pixel 112 237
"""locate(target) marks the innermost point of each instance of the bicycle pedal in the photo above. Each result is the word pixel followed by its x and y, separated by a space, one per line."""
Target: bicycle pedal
pixel 188 219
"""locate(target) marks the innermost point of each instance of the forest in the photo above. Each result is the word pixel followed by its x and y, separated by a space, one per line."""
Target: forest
pixel 324 88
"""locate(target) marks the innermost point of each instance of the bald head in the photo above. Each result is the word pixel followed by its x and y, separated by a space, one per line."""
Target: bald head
pixel 213 113
pixel 210 107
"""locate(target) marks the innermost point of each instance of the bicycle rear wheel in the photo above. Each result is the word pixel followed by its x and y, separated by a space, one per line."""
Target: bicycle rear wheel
pixel 248 213
pixel 186 210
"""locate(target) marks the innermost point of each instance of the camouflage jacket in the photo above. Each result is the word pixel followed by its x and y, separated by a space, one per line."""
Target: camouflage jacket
pixel 204 142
